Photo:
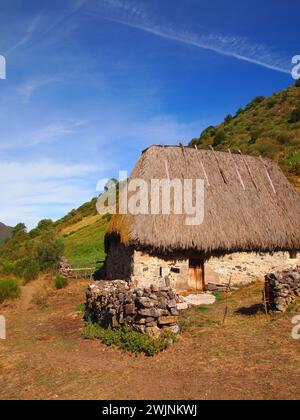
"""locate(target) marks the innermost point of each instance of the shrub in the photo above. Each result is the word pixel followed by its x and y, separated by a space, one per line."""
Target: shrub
pixel 295 116
pixel 128 339
pixel 19 228
pixel 219 138
pixel 7 266
pixel 208 133
pixel 297 83
pixel 60 282
pixel 9 289
pixel 228 119
pixel 239 112
pixel 48 251
pixel 30 270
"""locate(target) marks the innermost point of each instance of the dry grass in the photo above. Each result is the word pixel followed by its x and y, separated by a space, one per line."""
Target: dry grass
pixel 250 357
pixel 86 221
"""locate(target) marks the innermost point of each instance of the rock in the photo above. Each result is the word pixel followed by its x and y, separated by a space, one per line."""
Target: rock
pixel 172 304
pixel 167 320
pixel 145 302
pixel 174 311
pixel 153 332
pixel 130 309
pixel 201 299
pixel 182 306
pixel 153 312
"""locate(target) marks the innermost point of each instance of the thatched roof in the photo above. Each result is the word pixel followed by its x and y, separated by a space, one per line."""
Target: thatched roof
pixel 249 205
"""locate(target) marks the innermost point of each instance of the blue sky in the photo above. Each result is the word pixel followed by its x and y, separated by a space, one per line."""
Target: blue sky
pixel 91 83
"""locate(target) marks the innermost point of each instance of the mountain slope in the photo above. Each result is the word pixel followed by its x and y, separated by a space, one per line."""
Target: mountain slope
pixel 5 232
pixel 266 126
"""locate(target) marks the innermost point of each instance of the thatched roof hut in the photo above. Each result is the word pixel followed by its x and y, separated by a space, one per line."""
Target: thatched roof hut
pixel 249 205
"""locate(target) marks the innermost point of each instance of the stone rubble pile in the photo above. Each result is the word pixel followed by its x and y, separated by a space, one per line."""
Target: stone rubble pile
pixel 282 289
pixel 64 267
pixel 148 310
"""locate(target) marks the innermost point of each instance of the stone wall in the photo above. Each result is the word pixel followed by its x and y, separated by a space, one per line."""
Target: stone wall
pixel 142 269
pixel 148 310
pixel 246 267
pixel 168 271
pixel 282 289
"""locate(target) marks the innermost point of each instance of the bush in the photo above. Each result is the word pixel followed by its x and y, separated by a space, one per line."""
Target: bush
pixel 219 138
pixel 60 282
pixel 208 133
pixel 48 251
pixel 9 289
pixel 297 83
pixel 295 116
pixel 30 270
pixel 7 266
pixel 128 339
pixel 228 119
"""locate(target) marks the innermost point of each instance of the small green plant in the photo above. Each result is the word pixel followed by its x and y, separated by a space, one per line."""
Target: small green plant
pixel 60 282
pixel 219 296
pixel 9 289
pixel 128 339
pixel 91 331
pixel 80 308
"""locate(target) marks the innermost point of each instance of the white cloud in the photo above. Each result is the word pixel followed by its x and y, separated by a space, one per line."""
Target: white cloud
pixel 128 13
pixel 31 191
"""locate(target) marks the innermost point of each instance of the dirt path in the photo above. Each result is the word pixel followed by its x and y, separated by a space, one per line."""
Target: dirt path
pixel 45 357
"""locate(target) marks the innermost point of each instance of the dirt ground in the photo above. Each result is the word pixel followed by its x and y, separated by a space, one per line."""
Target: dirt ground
pixel 44 356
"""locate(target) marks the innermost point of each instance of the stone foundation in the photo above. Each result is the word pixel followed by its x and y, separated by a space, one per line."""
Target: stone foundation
pixel 148 310
pixel 282 289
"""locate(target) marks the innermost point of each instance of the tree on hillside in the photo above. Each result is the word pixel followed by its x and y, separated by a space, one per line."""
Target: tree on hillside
pixel 19 228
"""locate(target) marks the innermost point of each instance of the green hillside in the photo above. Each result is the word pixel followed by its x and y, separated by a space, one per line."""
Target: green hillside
pixel 5 232
pixel 266 126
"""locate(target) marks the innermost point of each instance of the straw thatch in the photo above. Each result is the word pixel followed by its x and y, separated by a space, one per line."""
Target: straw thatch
pixel 249 205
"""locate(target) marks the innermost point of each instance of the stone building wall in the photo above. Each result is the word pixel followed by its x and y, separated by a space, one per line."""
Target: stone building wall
pixel 171 271
pixel 143 269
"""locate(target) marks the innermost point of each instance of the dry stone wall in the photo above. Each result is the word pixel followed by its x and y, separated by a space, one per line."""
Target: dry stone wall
pixel 282 289
pixel 148 310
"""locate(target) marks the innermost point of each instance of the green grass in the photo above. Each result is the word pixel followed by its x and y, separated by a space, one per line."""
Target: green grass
pixel 9 289
pixel 129 340
pixel 60 282
pixel 86 244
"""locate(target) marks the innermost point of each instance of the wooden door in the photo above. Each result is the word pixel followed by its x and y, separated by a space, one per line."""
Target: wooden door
pixel 196 275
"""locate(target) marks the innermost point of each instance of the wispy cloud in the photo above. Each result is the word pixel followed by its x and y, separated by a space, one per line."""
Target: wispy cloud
pixel 53 132
pixel 133 15
pixel 28 35
pixel 28 88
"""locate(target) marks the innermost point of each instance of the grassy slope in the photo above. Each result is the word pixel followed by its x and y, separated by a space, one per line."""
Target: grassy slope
pixel 262 128
pixel 86 243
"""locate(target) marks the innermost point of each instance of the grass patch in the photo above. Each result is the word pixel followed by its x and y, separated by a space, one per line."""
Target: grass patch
pixel 129 340
pixel 60 282
pixel 80 308
pixel 9 289
pixel 203 308
pixel 219 296
pixel 86 244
